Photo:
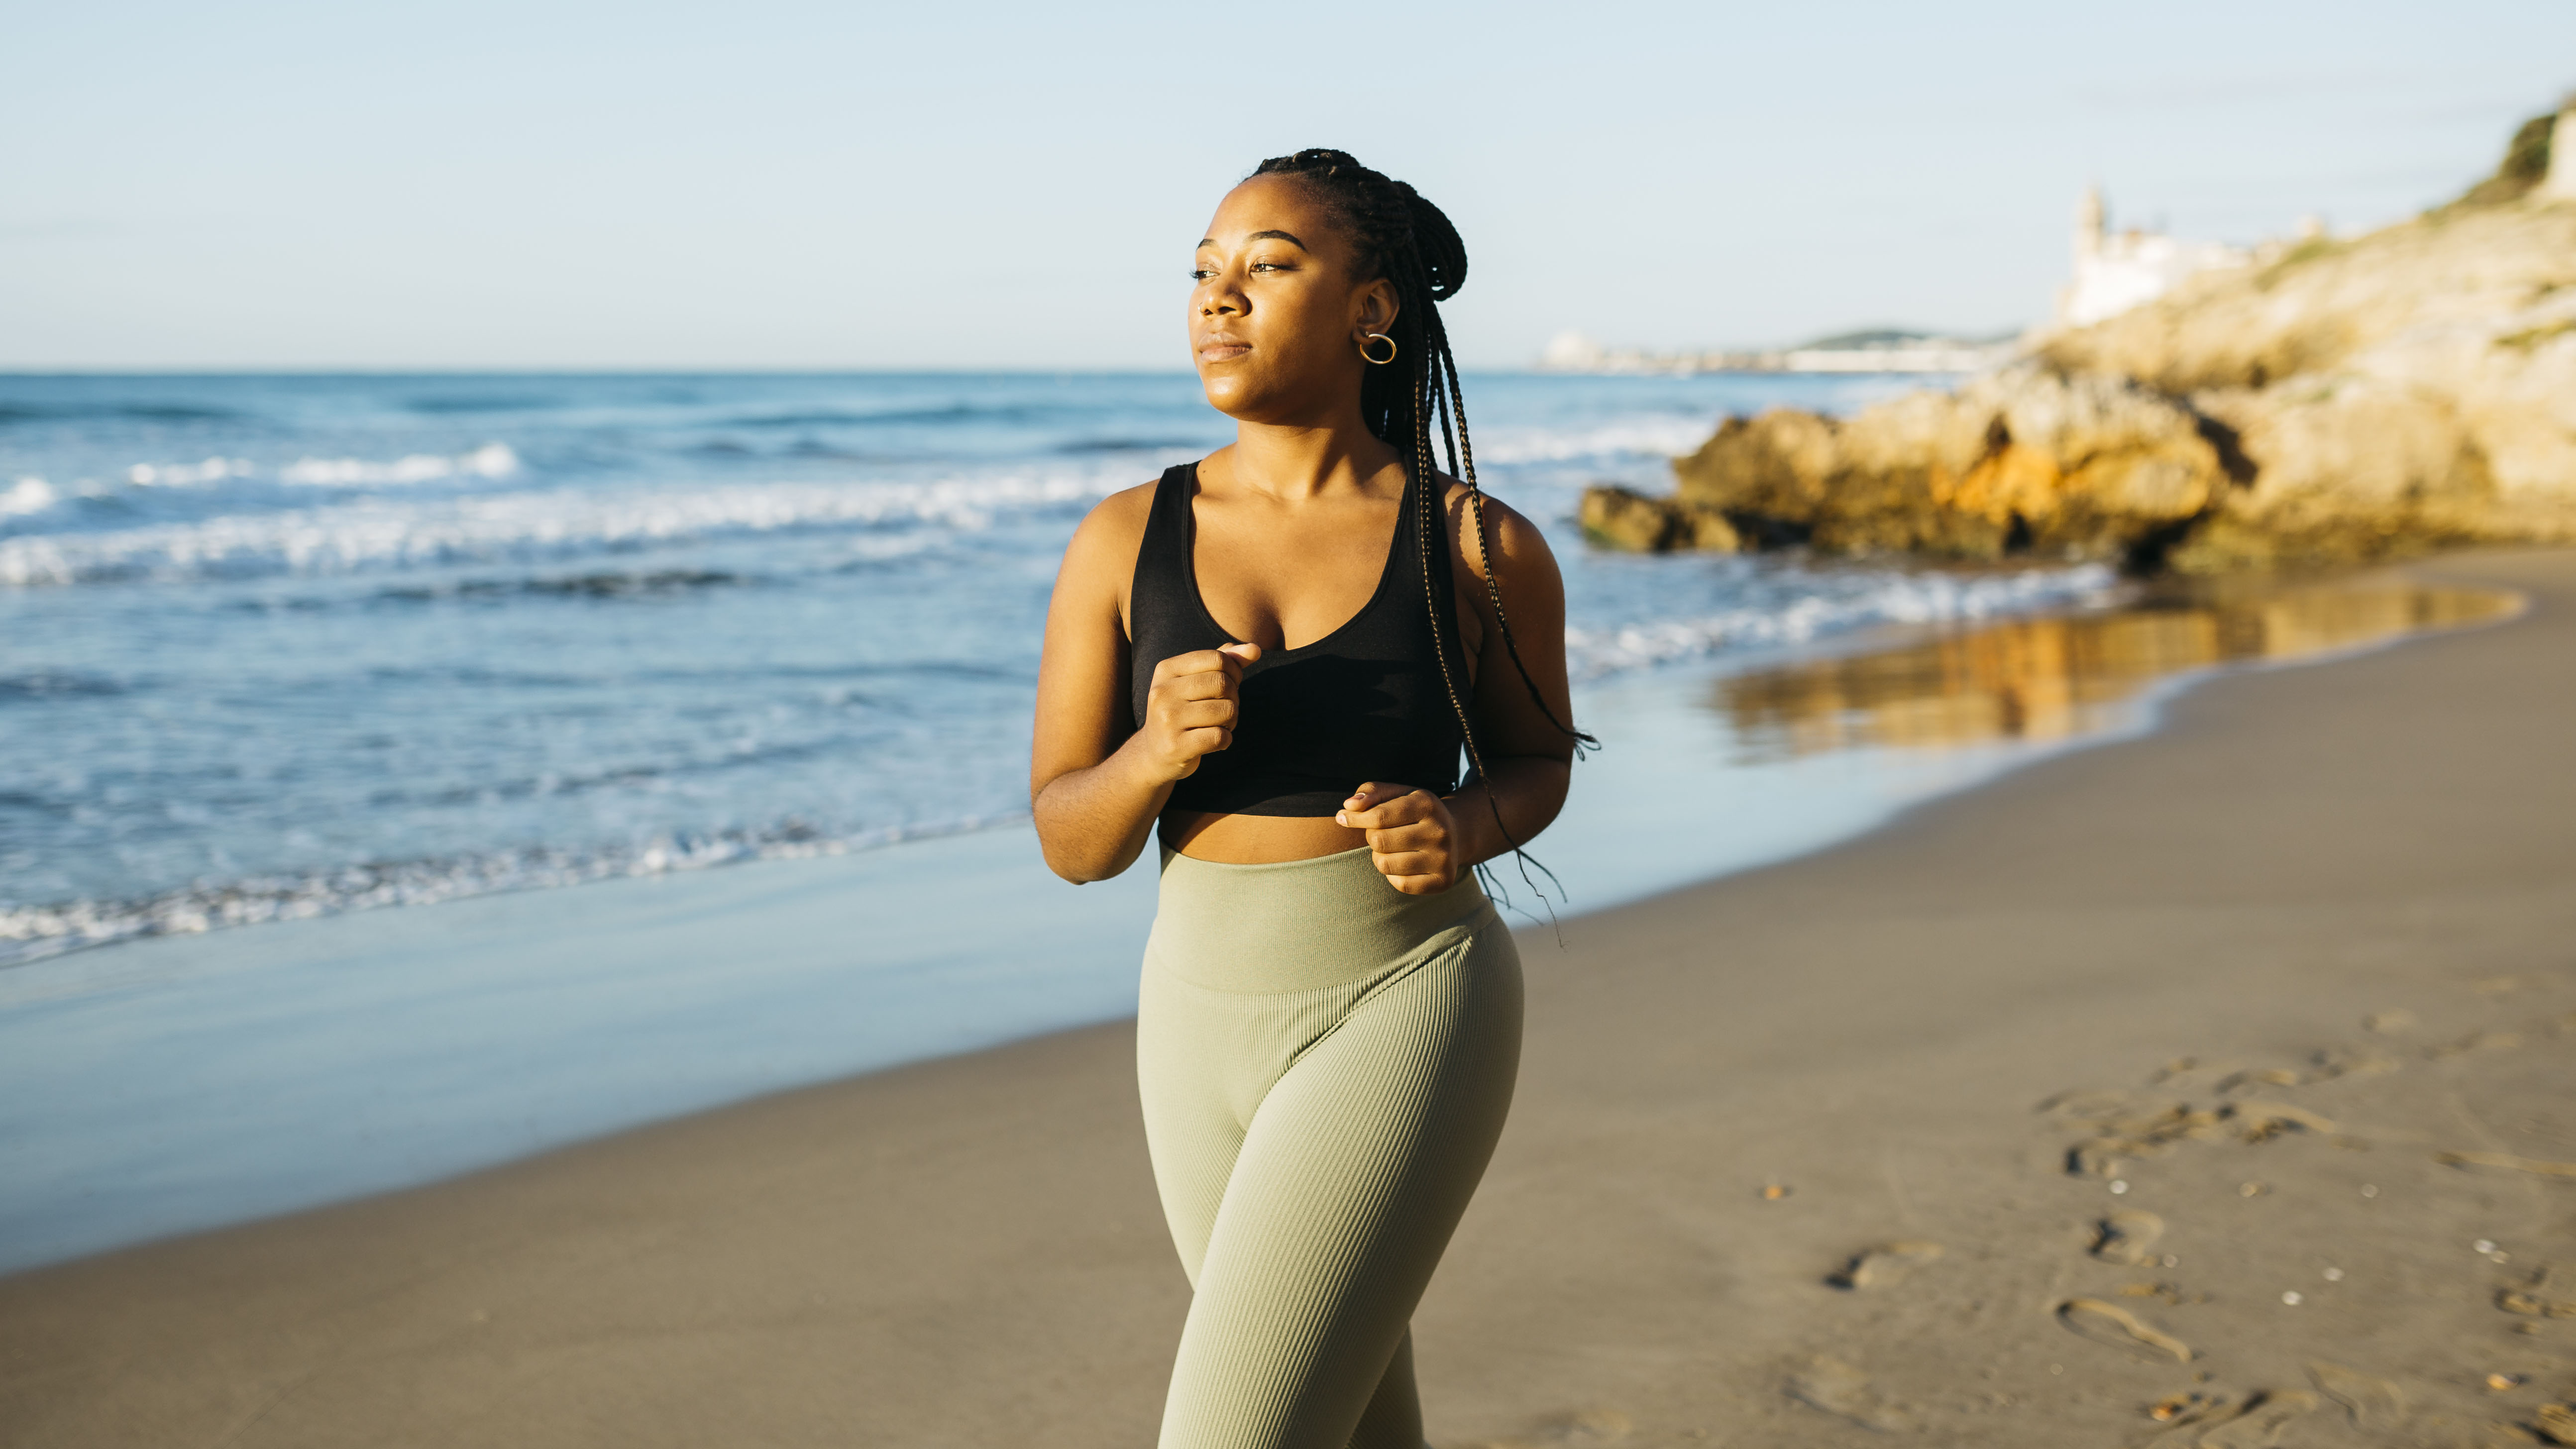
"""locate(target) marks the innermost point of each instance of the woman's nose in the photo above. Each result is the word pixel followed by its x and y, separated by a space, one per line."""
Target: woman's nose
pixel 1220 294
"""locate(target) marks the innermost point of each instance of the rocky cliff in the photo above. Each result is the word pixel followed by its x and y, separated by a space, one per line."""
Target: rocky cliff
pixel 2345 400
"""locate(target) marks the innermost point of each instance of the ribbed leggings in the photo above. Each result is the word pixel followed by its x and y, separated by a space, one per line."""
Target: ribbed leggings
pixel 1325 1064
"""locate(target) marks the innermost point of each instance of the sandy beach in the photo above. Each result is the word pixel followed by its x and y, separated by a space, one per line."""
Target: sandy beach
pixel 2206 1088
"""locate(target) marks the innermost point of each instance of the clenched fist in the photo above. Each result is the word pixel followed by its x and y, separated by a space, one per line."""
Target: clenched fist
pixel 1192 705
pixel 1412 838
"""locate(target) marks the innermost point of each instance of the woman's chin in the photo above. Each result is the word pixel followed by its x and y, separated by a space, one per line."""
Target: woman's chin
pixel 1238 397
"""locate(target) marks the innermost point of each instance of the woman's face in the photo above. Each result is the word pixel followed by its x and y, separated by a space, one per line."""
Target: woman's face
pixel 1277 317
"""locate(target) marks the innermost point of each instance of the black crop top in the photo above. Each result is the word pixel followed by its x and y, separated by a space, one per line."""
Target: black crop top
pixel 1363 703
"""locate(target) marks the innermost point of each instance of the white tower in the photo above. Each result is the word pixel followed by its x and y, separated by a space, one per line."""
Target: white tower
pixel 2088 224
pixel 2559 184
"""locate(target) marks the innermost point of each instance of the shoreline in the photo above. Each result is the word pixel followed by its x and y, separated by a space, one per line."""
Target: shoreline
pixel 180 1084
pixel 967 1250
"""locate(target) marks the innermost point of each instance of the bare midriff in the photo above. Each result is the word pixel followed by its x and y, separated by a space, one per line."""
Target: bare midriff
pixel 1257 839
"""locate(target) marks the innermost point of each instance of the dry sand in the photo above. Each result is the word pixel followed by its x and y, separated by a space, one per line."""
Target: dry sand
pixel 2262 970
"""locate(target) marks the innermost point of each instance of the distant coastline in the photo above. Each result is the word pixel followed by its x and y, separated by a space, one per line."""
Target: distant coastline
pixel 1874 351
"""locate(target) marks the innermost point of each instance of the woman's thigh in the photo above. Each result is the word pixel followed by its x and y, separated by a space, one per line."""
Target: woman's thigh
pixel 1204 1062
pixel 1344 1192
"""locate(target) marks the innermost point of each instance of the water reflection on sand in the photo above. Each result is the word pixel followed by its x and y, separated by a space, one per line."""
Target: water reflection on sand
pixel 2052 679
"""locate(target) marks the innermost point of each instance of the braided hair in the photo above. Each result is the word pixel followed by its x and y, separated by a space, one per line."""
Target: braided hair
pixel 1410 242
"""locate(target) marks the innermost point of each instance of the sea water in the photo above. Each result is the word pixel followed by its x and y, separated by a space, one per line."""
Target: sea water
pixel 313 690
pixel 274 647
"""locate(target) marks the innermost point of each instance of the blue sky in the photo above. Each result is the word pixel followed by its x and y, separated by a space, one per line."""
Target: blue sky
pixel 772 184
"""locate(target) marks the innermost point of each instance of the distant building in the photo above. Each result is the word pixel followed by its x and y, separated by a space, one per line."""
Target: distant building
pixel 1573 352
pixel 2115 271
pixel 1879 350
pixel 2560 182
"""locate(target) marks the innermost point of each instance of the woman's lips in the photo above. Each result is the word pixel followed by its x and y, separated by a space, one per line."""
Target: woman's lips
pixel 1222 349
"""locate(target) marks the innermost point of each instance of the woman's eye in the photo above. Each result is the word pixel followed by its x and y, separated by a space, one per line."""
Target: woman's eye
pixel 1201 274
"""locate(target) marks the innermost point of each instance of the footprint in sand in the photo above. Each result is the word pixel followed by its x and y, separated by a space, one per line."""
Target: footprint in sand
pixel 1577 1429
pixel 2332 1062
pixel 2263 1121
pixel 2128 1237
pixel 2531 1303
pixel 1844 1391
pixel 2265 1076
pixel 2507 1161
pixel 2476 1041
pixel 1881 1266
pixel 2534 1305
pixel 2374 1403
pixel 2260 1426
pixel 2179 1411
pixel 2113 1326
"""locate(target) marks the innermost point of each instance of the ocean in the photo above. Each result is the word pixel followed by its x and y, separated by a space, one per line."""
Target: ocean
pixel 369 746
pixel 280 647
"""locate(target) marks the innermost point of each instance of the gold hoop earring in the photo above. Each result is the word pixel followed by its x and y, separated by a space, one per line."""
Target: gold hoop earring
pixel 1369 337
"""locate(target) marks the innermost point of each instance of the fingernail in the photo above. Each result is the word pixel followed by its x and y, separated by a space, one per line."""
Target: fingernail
pixel 1337 818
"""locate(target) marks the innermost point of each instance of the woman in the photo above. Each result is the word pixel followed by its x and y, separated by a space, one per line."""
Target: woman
pixel 1277 653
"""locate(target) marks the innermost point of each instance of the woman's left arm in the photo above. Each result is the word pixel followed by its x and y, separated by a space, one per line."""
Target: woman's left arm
pixel 1423 844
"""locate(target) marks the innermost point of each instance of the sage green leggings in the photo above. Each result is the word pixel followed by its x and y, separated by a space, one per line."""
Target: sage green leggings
pixel 1325 1064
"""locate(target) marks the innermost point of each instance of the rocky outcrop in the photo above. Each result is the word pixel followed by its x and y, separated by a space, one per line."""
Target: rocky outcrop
pixel 1622 518
pixel 2348 399
pixel 2414 388
pixel 2029 459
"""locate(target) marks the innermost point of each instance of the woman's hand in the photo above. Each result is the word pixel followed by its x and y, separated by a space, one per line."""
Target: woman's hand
pixel 1412 838
pixel 1191 708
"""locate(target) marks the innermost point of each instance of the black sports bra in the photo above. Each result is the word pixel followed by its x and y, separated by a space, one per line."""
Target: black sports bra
pixel 1365 702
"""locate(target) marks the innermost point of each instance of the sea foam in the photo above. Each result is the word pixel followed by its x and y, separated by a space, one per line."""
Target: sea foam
pixel 377 533
pixel 492 460
pixel 1812 604
pixel 27 495
pixel 35 932
pixel 1652 436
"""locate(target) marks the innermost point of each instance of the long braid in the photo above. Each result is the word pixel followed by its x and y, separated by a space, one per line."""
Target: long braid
pixel 1412 243
pixel 1485 553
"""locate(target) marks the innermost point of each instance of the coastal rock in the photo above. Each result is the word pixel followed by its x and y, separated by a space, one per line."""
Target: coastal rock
pixel 2342 469
pixel 2454 278
pixel 2029 459
pixel 2407 390
pixel 1622 518
pixel 2345 400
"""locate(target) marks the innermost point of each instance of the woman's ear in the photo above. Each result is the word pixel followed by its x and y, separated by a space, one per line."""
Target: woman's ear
pixel 1377 306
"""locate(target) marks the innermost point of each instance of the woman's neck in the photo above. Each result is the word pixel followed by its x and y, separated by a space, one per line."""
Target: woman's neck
pixel 1297 462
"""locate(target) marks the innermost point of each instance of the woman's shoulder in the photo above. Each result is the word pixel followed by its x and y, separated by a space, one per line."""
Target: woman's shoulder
pixel 1114 528
pixel 1507 531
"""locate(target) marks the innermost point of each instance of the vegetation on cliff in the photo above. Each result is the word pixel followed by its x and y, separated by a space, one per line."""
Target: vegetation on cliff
pixel 2406 389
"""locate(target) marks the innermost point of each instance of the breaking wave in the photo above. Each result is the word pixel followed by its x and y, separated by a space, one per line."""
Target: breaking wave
pixel 1825 603
pixel 26 496
pixel 1653 436
pixel 492 460
pixel 33 933
pixel 482 528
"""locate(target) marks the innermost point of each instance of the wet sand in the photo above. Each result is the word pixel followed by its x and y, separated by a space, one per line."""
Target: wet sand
pixel 2187 1072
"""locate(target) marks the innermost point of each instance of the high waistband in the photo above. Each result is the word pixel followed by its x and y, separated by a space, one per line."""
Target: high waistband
pixel 1297 925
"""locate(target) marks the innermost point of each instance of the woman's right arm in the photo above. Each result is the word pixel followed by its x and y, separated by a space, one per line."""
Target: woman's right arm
pixel 1098 779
